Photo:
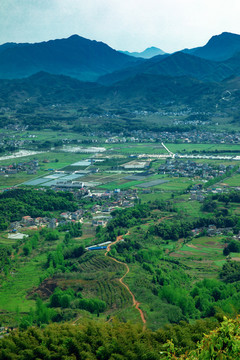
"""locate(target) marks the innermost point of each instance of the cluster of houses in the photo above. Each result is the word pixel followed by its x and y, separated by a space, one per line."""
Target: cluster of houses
pixel 100 214
pixel 38 222
pixel 191 136
pixel 113 200
pixel 179 168
pixel 197 192
pixel 117 197
pixel 212 230
pixel 31 167
pixel 13 140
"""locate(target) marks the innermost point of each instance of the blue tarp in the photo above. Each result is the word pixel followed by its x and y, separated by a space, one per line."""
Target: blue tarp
pixel 97 247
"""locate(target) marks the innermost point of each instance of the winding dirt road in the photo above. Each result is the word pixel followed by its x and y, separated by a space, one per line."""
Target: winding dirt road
pixel 135 303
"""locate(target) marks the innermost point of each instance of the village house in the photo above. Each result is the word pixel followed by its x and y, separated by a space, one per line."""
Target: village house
pixel 99 222
pixel 77 215
pixel 39 221
pixel 65 215
pixel 27 220
pixel 53 223
pixel 211 230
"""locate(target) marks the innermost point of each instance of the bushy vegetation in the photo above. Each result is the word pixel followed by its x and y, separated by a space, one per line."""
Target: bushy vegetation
pixel 91 340
pixel 15 204
pixel 174 230
pixel 233 196
pixel 5 258
pixel 230 272
pixel 71 299
pixel 128 217
pixel 122 220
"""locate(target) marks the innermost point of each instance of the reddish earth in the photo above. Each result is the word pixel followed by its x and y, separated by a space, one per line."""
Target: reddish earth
pixel 135 303
pixel 45 290
pixel 192 246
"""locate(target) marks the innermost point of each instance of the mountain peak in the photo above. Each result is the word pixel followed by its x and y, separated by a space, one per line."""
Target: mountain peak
pixel 147 53
pixel 75 56
pixel 219 47
pixel 224 36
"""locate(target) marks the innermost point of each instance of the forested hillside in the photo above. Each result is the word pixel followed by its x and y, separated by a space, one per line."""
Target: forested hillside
pixel 118 341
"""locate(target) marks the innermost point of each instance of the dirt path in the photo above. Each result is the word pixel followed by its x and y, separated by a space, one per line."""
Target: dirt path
pixel 135 303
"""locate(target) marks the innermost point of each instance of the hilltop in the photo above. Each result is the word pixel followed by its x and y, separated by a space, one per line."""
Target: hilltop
pixel 75 56
pixel 147 53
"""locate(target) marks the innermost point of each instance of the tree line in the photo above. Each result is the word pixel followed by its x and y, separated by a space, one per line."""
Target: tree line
pixel 15 204
pixel 119 341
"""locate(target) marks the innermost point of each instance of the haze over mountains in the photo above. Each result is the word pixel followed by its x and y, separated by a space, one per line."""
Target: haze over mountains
pixel 194 63
pixel 147 53
pixel 218 48
pixel 76 57
pixel 89 60
pixel 113 79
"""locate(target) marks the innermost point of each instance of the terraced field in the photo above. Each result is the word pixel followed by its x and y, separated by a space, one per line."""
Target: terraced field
pixel 111 291
pixel 202 255
pixel 101 276
pixel 96 261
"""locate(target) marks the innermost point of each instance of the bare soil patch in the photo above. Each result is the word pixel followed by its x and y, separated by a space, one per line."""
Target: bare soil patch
pixel 192 246
pixel 45 290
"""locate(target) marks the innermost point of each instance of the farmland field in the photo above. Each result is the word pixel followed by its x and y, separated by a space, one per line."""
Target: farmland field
pixel 154 261
pixel 152 148
pixel 233 181
pixel 13 293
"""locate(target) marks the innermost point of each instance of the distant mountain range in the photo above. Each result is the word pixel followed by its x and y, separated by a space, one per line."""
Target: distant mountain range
pixel 179 64
pixel 89 60
pixel 147 53
pixel 76 57
pixel 38 80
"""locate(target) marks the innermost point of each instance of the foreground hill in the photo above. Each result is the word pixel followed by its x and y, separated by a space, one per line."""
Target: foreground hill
pixel 76 56
pixel 121 341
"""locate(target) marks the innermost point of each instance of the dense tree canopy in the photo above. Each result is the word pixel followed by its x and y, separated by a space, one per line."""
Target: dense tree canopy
pixel 17 203
pixel 120 341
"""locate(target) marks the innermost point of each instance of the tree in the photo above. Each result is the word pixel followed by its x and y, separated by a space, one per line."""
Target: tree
pixel 27 249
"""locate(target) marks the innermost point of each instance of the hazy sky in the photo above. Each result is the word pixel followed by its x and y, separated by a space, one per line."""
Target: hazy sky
pixel 123 24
